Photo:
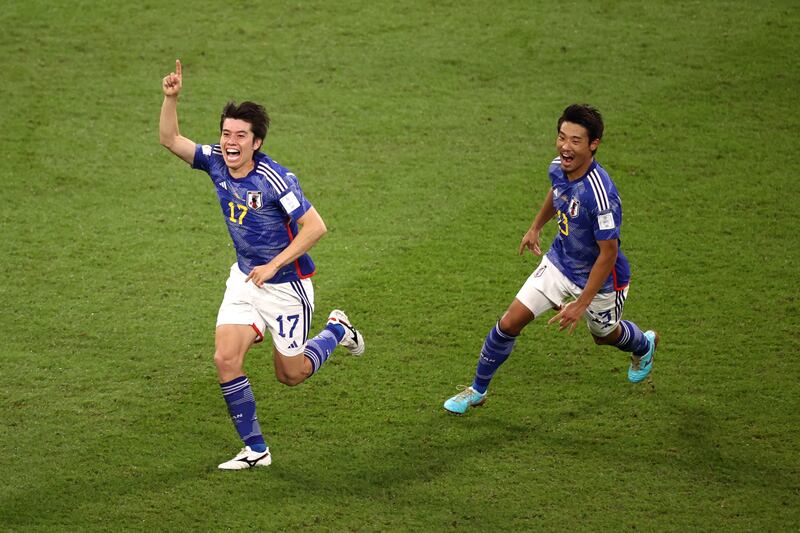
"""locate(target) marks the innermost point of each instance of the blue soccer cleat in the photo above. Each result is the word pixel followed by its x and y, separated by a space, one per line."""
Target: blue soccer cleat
pixel 641 366
pixel 465 399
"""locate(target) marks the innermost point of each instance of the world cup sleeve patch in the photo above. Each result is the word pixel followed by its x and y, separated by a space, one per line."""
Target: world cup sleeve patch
pixel 606 221
pixel 206 150
pixel 289 202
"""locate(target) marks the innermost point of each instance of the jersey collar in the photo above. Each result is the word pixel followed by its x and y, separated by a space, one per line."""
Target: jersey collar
pixel 588 171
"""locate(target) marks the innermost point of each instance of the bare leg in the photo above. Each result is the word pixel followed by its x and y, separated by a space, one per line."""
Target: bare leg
pixel 292 370
pixel 516 317
pixel 232 343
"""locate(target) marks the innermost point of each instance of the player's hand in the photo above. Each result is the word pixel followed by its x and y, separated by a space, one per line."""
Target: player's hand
pixel 172 82
pixel 262 273
pixel 530 241
pixel 568 316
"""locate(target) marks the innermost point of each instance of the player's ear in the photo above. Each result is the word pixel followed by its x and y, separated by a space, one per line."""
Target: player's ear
pixel 257 143
pixel 594 144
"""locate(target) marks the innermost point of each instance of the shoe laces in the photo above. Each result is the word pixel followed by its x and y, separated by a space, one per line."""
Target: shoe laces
pixel 466 392
pixel 637 360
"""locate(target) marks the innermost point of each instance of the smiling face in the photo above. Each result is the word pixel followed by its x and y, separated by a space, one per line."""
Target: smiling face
pixel 238 145
pixel 575 150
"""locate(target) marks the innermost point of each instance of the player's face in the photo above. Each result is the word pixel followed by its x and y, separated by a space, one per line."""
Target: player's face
pixel 575 149
pixel 238 145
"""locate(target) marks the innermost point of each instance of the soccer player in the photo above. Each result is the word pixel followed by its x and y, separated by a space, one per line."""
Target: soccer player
pixel 584 273
pixel 269 288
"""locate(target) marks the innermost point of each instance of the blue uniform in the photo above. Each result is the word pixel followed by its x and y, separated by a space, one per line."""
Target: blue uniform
pixel 260 210
pixel 587 210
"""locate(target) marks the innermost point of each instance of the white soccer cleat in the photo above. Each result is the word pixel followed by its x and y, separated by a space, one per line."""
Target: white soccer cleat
pixel 352 340
pixel 247 458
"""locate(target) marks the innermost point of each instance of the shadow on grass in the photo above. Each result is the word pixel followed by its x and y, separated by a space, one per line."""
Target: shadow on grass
pixel 417 453
pixel 386 464
pixel 439 444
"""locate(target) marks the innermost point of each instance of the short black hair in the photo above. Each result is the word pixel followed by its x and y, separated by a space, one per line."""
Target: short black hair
pixel 586 116
pixel 250 112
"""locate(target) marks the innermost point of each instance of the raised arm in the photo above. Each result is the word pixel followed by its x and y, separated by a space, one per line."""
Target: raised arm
pixel 168 132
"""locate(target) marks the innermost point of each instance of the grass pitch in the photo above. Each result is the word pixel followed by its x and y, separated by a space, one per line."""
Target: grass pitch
pixel 422 134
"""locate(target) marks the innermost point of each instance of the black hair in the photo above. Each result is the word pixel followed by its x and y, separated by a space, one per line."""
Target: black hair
pixel 250 112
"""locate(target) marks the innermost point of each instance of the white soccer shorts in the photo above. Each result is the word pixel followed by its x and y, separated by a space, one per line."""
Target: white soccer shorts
pixel 547 288
pixel 283 309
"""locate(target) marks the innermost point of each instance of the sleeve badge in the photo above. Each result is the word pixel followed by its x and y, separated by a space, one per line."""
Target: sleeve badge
pixel 606 221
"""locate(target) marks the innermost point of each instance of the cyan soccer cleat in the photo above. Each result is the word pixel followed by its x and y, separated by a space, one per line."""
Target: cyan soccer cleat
pixel 465 399
pixel 641 366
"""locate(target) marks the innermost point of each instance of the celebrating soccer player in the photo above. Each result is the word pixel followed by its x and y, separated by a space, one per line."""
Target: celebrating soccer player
pixel 584 274
pixel 269 286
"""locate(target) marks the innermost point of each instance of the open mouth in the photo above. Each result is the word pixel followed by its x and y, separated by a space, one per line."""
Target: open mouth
pixel 566 159
pixel 232 154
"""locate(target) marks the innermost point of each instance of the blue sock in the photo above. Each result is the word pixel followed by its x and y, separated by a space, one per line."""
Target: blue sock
pixel 337 330
pixel 242 408
pixel 631 339
pixel 496 349
pixel 321 347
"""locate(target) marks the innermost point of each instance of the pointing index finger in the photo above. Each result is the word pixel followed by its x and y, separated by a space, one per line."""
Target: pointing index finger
pixel 178 67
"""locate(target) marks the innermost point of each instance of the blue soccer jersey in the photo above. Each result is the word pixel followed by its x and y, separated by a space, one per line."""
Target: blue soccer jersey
pixel 260 210
pixel 587 210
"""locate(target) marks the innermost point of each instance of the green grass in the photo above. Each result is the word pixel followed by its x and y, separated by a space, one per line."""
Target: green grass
pixel 421 132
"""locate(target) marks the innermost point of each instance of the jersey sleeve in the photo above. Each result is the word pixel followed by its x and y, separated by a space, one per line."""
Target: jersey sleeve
pixel 605 208
pixel 291 199
pixel 607 222
pixel 553 172
pixel 202 157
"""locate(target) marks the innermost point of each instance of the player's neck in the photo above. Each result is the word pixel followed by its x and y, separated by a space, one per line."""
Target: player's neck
pixel 242 171
pixel 578 173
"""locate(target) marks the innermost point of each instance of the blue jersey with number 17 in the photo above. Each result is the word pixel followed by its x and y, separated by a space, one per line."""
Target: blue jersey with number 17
pixel 260 210
pixel 587 210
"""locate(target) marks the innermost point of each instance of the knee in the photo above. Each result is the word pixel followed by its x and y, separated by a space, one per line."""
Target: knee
pixel 290 380
pixel 510 326
pixel 226 361
pixel 516 317
pixel 608 339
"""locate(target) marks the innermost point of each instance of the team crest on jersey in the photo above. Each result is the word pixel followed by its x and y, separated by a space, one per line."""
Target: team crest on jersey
pixel 254 200
pixel 574 207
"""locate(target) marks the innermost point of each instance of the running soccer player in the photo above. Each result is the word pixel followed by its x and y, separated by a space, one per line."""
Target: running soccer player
pixel 584 273
pixel 269 287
